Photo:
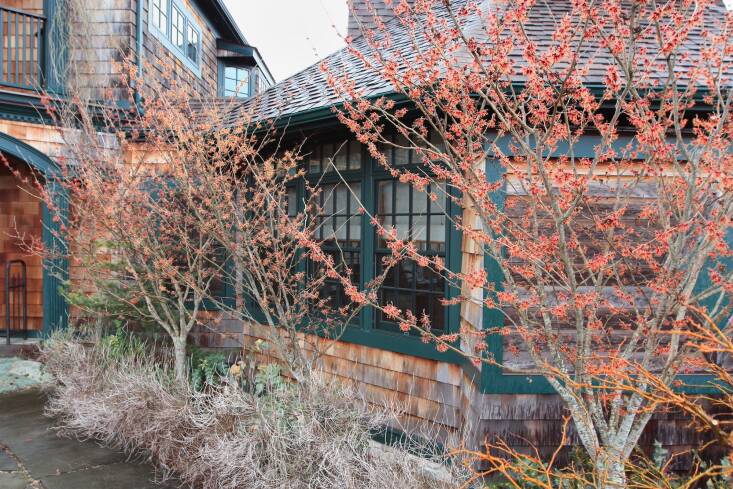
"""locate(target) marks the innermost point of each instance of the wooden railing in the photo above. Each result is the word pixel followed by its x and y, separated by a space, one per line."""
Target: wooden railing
pixel 22 54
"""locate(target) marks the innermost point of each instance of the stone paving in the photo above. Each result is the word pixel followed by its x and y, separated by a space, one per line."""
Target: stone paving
pixel 18 374
pixel 32 456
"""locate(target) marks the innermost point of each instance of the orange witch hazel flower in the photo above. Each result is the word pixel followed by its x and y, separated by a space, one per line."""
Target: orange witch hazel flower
pixel 592 222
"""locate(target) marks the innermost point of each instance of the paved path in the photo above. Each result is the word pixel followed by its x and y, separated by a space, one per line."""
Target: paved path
pixel 33 457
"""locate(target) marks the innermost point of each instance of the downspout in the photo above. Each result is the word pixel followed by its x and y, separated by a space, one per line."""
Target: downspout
pixel 139 48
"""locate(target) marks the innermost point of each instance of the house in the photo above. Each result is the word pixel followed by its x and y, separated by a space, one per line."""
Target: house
pixel 197 39
pixel 440 389
pixel 212 58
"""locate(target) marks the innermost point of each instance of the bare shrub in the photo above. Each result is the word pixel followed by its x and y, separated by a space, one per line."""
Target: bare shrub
pixel 288 436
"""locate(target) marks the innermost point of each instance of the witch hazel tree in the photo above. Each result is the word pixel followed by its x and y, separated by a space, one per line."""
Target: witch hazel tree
pixel 588 145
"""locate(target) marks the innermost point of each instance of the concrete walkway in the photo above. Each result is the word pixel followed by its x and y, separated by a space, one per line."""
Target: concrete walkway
pixel 33 457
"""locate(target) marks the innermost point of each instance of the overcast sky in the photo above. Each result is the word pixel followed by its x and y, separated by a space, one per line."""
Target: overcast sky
pixel 291 34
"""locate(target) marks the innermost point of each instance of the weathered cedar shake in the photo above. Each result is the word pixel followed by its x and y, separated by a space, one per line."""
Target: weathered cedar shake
pixel 158 58
pixel 445 399
pixel 30 6
pixel 112 40
pixel 20 216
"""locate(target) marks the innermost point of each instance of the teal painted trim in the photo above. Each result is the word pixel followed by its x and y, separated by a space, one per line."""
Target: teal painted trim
pixel 55 46
pixel 139 48
pixel 327 112
pixel 30 155
pixel 495 381
pixel 493 378
pixel 19 334
pixel 55 271
pixel 23 108
pixel 585 147
pixel 252 55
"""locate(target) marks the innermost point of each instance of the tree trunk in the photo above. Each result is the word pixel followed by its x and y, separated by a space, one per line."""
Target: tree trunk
pixel 611 471
pixel 179 360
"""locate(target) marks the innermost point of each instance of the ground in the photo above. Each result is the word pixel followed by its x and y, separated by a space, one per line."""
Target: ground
pixel 32 456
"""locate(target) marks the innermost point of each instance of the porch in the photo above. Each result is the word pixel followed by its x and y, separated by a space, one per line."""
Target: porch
pixel 25 59
pixel 31 304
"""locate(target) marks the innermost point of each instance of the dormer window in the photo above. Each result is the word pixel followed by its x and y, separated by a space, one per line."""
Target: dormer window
pixel 236 81
pixel 174 26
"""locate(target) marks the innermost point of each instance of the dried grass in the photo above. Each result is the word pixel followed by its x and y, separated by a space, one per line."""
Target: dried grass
pixel 315 437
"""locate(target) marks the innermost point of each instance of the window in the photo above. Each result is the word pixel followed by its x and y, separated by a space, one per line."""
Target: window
pixel 344 156
pixel 177 28
pixel 339 227
pixel 414 216
pixel 173 25
pixel 193 44
pixel 340 222
pixel 262 83
pixel 236 82
pixel 160 15
pixel 348 236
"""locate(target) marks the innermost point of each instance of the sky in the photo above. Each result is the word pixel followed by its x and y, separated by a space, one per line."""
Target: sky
pixel 291 34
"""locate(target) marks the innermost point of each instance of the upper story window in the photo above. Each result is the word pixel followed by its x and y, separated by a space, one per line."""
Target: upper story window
pixel 172 24
pixel 159 15
pixel 177 28
pixel 193 44
pixel 236 81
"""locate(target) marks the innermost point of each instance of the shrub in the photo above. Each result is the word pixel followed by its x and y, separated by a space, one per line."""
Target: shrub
pixel 283 435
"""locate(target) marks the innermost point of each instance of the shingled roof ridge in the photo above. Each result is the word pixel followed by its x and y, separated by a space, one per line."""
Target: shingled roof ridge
pixel 307 91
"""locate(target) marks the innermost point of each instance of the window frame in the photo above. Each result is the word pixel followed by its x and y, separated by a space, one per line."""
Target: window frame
pixel 223 78
pixel 166 38
pixel 362 330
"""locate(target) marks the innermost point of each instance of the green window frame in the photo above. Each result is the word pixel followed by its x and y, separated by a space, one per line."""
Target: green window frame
pixel 359 169
pixel 413 215
pixel 493 378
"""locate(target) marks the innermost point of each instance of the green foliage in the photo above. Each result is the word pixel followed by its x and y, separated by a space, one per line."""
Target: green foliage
pixel 207 369
pixel 269 379
pixel 124 344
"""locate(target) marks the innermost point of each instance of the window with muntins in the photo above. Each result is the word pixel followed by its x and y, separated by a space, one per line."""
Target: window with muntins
pixel 413 215
pixel 349 179
pixel 339 221
pixel 160 15
pixel 236 81
pixel 174 26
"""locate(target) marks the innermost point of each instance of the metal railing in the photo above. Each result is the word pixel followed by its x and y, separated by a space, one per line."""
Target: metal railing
pixel 16 298
pixel 22 54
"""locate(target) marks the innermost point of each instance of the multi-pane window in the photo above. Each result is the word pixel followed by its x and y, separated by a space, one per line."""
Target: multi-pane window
pixel 339 228
pixel 340 219
pixel 160 15
pixel 192 44
pixel 419 217
pixel 344 156
pixel 262 83
pixel 175 27
pixel 178 31
pixel 236 81
pixel 348 180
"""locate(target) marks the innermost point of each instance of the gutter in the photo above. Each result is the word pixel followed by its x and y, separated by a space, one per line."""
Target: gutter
pixel 139 46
